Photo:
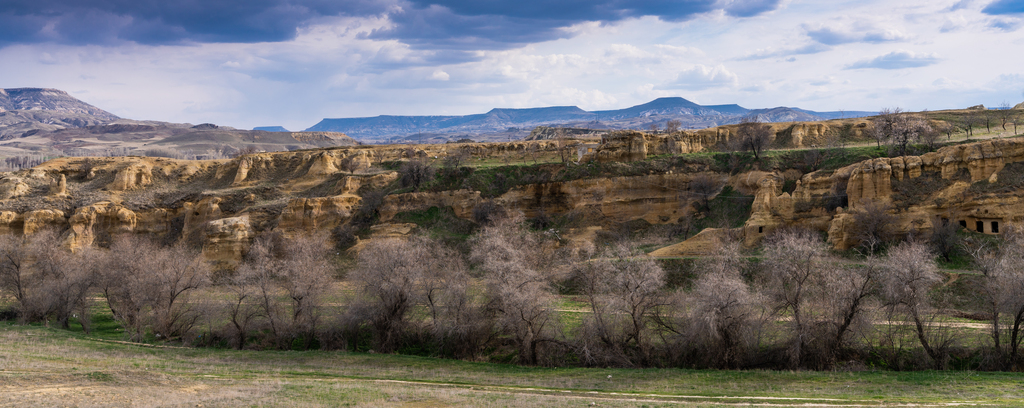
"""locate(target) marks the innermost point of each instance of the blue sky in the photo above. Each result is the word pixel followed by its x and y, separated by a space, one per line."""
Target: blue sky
pixel 294 62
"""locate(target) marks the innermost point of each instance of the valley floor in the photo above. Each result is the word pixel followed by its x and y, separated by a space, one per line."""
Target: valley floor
pixel 49 367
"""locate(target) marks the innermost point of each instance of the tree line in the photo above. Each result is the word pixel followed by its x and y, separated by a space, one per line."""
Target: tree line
pixel 516 295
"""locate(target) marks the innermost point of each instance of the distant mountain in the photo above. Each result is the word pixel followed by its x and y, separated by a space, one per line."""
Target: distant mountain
pixel 42 123
pixel 660 106
pixel 782 114
pixel 271 128
pixel 839 114
pixel 43 99
pixel 503 121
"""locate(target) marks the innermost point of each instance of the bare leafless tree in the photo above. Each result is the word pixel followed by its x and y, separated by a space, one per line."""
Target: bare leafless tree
pixel 624 289
pixel 14 269
pixel 297 268
pixel 885 124
pixel 459 327
pixel 1004 113
pixel 948 128
pixel 753 135
pixel 149 285
pixel 843 300
pixel 1003 288
pixel 415 173
pixel 488 212
pixel 900 128
pixel 910 128
pixel 177 273
pixel 457 157
pixel 63 282
pixel 726 314
pixel 945 238
pixel 243 310
pixel 928 135
pixel 388 272
pixel 514 262
pixel 702 187
pixel 910 273
pixel 873 225
pixel 673 126
pixel 796 261
pixel 970 119
pixel 306 270
pixel 824 300
pixel 123 280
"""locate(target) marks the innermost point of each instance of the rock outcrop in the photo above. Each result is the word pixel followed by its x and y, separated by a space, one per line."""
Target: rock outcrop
pixel 11 187
pixel 131 177
pixel 873 181
pixel 223 204
pixel 227 239
pixel 59 186
pixel 318 214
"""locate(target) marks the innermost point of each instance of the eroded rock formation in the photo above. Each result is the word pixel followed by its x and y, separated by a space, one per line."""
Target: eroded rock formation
pixel 223 204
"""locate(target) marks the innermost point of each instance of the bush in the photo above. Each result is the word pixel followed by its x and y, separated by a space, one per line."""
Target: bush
pixel 416 173
pixel 488 212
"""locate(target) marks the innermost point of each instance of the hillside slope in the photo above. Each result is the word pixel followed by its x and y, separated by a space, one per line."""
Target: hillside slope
pixel 53 100
pixel 628 179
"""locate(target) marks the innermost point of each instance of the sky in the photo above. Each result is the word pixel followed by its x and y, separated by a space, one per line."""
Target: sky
pixel 292 63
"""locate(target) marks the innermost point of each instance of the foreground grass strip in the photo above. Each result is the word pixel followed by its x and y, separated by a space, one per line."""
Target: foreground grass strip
pixel 38 363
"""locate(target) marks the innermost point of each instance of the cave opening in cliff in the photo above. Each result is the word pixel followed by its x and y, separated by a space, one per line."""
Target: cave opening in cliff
pixel 979 226
pixel 995 227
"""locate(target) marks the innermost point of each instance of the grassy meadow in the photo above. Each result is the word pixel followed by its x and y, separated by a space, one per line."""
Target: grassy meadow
pixel 41 366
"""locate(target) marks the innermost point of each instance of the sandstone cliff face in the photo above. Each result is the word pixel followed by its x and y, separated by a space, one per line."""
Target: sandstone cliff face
pixel 621 147
pixel 228 239
pixel 226 203
pixel 99 219
pixel 461 201
pixel 318 214
pixel 11 187
pixel 656 198
pixel 872 180
pixel 131 177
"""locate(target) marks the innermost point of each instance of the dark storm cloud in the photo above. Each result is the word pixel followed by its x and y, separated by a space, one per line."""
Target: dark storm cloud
pixel 162 21
pixel 500 24
pixel 437 24
pixel 1000 7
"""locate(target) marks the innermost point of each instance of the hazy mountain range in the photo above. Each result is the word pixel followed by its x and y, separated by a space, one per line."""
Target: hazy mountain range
pixel 49 122
pixel 44 123
pixel 658 111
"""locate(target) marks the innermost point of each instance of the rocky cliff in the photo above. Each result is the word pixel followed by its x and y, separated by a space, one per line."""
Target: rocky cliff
pixel 223 204
pixel 970 184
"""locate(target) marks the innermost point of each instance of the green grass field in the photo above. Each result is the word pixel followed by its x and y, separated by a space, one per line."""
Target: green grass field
pixel 47 367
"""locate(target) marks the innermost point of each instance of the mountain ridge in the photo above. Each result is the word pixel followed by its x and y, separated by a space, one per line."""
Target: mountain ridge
pixel 656 112
pixel 48 99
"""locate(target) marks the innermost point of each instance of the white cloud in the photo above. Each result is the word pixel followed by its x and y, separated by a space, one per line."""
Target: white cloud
pixel 703 77
pixel 440 76
pixel 897 60
pixel 333 69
